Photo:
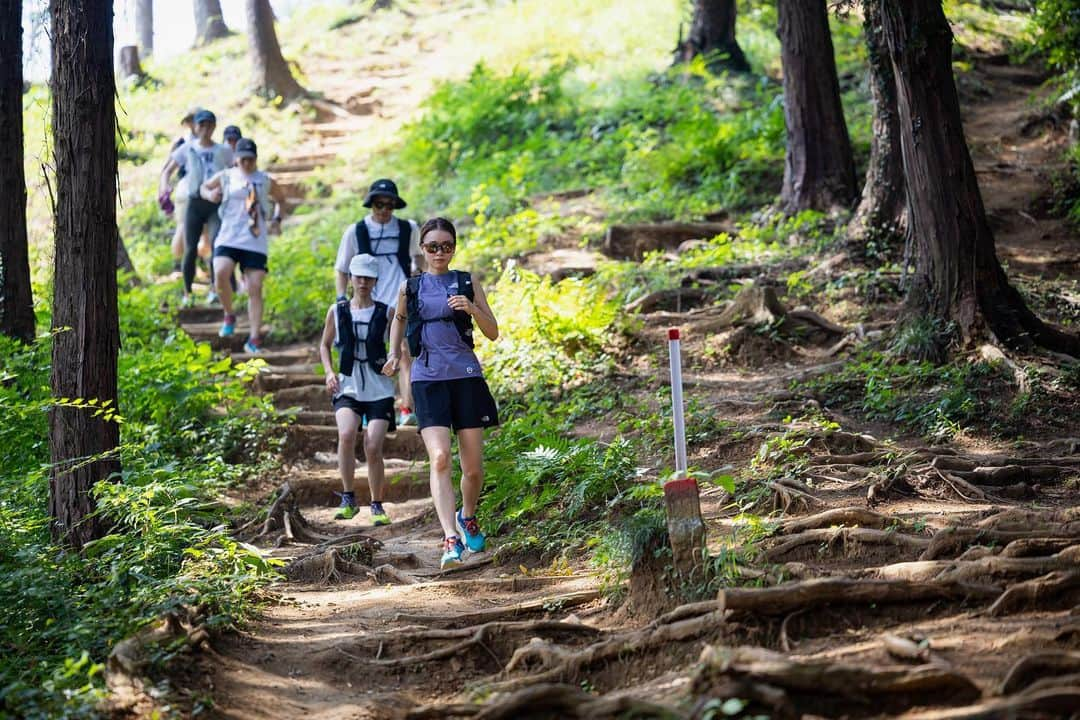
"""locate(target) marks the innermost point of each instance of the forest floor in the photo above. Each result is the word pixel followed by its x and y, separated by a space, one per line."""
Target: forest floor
pixel 951 593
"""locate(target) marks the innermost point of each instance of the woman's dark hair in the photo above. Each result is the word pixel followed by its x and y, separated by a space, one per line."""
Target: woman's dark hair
pixel 438 223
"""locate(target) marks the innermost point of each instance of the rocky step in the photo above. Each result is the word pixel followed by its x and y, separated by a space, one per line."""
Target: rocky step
pixel 274 381
pixel 199 315
pixel 279 359
pixel 317 417
pixel 306 440
pixel 298 368
pixel 403 482
pixel 207 333
pixel 305 397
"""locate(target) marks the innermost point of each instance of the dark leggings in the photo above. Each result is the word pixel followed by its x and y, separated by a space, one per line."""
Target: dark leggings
pixel 200 212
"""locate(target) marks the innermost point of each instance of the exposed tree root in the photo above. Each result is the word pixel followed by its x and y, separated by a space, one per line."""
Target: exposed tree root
pixel 551 700
pixel 853 516
pixel 477 636
pixel 548 604
pixel 978 570
pixel 828 537
pixel 326 567
pixel 1038 667
pixel 952 540
pixel 782 599
pixel 1058 702
pixel 814 686
pixel 790 494
pixel 1043 590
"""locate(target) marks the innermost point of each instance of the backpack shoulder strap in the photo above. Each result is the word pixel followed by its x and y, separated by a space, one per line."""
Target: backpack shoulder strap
pixel 363 239
pixel 465 286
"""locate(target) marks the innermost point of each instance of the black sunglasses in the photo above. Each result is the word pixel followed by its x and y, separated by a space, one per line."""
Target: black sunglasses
pixel 439 247
pixel 382 205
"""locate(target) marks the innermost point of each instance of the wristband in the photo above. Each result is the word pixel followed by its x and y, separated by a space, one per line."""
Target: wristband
pixel 342 298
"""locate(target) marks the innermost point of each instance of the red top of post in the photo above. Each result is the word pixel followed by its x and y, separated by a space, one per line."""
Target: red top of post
pixel 673 333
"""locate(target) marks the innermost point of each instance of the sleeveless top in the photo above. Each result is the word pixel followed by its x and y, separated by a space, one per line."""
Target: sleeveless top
pixel 445 355
pixel 235 231
pixel 364 384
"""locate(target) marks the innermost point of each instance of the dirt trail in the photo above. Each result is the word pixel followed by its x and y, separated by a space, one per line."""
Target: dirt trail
pixel 344 644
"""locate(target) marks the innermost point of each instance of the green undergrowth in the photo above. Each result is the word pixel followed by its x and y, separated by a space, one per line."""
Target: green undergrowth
pixel 934 401
pixel 190 428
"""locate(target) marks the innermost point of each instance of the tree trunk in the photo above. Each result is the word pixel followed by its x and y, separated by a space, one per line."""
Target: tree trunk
pixel 129 62
pixel 957 276
pixel 819 169
pixel 82 445
pixel 144 26
pixel 880 218
pixel 16 303
pixel 271 76
pixel 209 22
pixel 712 33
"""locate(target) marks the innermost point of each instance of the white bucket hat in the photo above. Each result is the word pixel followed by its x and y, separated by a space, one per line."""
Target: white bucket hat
pixel 364 265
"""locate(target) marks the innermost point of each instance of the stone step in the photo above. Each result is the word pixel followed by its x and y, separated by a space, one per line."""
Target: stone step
pixel 300 368
pixel 307 397
pixel 199 315
pixel 306 440
pixel 279 358
pixel 405 481
pixel 272 381
pixel 317 417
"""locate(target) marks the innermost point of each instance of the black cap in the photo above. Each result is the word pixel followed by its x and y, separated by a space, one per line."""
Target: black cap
pixel 204 116
pixel 232 133
pixel 385 188
pixel 245 148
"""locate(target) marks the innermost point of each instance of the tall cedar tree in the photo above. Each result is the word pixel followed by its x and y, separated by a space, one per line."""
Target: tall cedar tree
pixel 957 275
pixel 712 33
pixel 270 74
pixel 209 22
pixel 83 447
pixel 881 215
pixel 16 303
pixel 819 168
pixel 144 26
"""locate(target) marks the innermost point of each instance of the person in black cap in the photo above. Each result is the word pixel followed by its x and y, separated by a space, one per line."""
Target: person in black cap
pixel 232 136
pixel 202 158
pixel 250 203
pixel 395 245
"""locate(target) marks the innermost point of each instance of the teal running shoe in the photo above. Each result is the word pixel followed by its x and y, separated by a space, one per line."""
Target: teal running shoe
pixel 452 549
pixel 474 539
pixel 228 327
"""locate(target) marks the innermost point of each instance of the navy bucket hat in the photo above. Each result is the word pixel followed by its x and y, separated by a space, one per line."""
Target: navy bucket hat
pixel 385 188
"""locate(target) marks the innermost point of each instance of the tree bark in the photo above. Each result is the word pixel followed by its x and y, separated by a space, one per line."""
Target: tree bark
pixel 83 445
pixel 270 76
pixel 957 275
pixel 881 216
pixel 144 26
pixel 129 62
pixel 16 302
pixel 209 22
pixel 819 168
pixel 712 33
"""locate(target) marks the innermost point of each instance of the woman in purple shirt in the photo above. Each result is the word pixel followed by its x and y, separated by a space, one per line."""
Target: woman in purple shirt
pixel 440 307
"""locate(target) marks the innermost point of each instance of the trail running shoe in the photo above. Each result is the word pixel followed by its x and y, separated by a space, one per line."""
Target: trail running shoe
pixel 471 530
pixel 452 549
pixel 187 301
pixel 347 510
pixel 408 417
pixel 227 327
pixel 378 515
pixel 212 298
pixel 253 346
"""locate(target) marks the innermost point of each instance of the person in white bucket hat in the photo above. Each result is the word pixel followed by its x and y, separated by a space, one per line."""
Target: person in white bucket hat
pixel 360 394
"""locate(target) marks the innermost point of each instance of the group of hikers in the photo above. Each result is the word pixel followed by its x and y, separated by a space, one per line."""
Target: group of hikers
pixel 409 315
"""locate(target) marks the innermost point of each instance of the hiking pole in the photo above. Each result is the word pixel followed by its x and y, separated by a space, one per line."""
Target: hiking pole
pixel 685 527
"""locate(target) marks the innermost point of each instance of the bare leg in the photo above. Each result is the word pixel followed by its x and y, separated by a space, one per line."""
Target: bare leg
pixel 255 299
pixel 373 454
pixel 471 453
pixel 405 377
pixel 178 241
pixel 223 270
pixel 347 424
pixel 437 442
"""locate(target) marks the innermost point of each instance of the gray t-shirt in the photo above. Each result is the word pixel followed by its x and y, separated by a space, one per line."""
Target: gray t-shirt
pixel 202 163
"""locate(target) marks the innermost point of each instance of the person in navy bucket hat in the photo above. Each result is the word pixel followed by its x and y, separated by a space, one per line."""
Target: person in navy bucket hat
pixel 384 188
pixel 395 244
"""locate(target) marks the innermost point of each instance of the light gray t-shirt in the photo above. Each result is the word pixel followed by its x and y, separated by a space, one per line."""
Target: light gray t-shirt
pixel 384 246
pixel 202 163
